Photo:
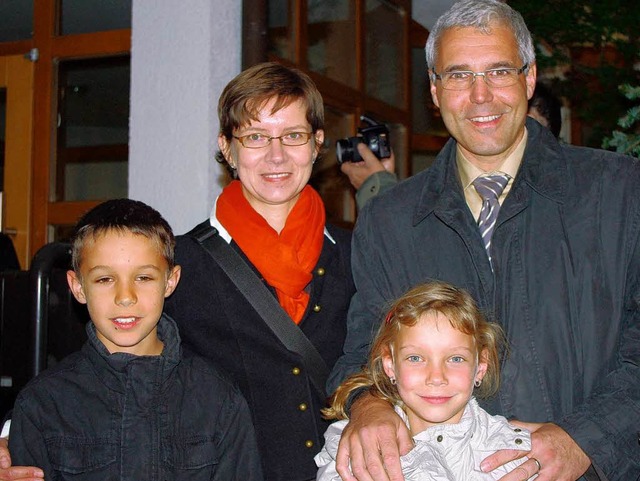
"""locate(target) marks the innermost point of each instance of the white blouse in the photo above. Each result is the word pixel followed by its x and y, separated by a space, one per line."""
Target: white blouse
pixel 446 452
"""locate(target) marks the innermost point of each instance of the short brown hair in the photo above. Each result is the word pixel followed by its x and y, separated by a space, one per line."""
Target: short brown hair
pixel 243 97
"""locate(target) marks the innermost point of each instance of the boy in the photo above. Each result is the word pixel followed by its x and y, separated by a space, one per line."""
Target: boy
pixel 131 405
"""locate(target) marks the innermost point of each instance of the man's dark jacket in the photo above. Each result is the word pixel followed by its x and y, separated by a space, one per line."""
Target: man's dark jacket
pixel 218 322
pixel 97 416
pixel 565 284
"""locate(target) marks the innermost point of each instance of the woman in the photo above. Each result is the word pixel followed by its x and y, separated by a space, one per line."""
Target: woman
pixel 271 133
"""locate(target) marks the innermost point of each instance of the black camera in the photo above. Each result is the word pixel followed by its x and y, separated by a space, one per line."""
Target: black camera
pixel 375 136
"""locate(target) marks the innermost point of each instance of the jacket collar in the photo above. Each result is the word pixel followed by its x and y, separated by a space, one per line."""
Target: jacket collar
pixel 543 169
pixel 113 369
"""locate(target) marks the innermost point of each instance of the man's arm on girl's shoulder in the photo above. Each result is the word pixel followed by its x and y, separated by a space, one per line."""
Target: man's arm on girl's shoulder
pixel 16 473
pixel 372 442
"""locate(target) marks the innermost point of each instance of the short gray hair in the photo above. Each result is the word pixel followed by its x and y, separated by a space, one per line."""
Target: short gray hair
pixel 481 14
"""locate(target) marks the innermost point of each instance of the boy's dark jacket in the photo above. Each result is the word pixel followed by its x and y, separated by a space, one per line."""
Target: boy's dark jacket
pixel 125 417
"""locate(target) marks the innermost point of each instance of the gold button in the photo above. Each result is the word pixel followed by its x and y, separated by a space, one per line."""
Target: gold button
pixel 295 371
pixel 317 308
pixel 320 271
pixel 302 407
pixel 308 443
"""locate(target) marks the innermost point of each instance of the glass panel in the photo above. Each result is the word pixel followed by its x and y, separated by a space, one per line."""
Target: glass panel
pixel 16 20
pixel 426 116
pixel 327 179
pixel 332 39
pixel 81 16
pixel 280 25
pixel 398 138
pixel 384 53
pixel 93 131
pixel 61 233
pixel 421 160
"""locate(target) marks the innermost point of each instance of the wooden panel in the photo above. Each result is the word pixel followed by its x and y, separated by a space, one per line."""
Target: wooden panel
pixel 16 76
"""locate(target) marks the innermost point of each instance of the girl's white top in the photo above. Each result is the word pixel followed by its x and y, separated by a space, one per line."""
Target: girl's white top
pixel 447 452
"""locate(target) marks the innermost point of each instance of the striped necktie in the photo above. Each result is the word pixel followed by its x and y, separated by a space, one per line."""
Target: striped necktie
pixel 489 187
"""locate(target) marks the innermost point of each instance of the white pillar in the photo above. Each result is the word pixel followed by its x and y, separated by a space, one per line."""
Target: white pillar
pixel 182 56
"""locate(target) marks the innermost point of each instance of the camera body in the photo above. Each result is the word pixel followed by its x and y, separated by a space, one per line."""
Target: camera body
pixel 375 136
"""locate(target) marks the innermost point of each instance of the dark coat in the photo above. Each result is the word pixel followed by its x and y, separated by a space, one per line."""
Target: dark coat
pixel 97 416
pixel 216 321
pixel 566 284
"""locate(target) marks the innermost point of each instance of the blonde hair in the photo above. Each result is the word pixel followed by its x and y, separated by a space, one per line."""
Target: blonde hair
pixel 458 307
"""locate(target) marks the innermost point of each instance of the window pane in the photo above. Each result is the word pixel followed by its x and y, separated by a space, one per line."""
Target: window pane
pixel 327 179
pixel 426 116
pixel 332 39
pixel 81 16
pixel 398 138
pixel 280 24
pixel 93 131
pixel 385 67
pixel 16 20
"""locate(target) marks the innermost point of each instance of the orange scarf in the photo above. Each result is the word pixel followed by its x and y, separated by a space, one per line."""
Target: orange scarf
pixel 285 260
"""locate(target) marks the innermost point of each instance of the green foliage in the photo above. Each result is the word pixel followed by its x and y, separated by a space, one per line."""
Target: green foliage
pixel 562 29
pixel 627 142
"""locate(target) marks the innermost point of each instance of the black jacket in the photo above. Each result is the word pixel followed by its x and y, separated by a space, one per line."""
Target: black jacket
pixel 97 416
pixel 565 285
pixel 216 321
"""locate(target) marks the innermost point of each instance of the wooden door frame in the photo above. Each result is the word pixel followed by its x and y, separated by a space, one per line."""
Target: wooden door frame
pixel 16 76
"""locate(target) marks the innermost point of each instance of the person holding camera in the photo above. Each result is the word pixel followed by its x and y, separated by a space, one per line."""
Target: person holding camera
pixel 370 176
pixel 546 238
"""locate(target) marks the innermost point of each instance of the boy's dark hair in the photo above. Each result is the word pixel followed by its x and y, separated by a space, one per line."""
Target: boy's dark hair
pixel 123 215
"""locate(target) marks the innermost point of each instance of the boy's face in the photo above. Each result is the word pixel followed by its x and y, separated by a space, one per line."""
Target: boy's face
pixel 124 279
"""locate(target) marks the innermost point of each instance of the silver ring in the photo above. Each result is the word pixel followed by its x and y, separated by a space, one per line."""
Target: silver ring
pixel 538 463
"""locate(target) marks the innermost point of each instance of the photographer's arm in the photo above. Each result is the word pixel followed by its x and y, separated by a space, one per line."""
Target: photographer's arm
pixel 371 176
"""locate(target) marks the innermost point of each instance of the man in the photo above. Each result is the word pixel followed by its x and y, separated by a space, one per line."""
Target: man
pixel 372 176
pixel 559 268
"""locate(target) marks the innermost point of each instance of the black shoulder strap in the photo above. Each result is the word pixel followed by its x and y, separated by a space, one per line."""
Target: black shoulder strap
pixel 263 302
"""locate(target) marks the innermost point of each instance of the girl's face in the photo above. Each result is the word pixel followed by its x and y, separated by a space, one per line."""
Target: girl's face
pixel 435 367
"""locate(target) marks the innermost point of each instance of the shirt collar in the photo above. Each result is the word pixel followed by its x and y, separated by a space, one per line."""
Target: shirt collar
pixel 469 172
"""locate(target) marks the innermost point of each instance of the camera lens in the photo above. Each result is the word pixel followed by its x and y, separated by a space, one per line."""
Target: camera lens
pixel 344 152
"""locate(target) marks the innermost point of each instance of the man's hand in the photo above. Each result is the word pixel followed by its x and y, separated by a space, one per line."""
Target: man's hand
pixel 358 172
pixel 17 473
pixel 373 442
pixel 560 458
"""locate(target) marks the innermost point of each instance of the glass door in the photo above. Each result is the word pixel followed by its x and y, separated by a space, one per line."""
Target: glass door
pixel 16 101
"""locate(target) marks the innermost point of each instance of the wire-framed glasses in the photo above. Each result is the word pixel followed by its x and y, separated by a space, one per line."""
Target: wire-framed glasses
pixel 257 141
pixel 494 77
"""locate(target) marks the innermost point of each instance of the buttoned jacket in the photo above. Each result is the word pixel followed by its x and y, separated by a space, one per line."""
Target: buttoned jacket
pixel 565 284
pixel 218 322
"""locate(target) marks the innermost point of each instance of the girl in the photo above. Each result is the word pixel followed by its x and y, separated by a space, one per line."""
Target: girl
pixel 432 353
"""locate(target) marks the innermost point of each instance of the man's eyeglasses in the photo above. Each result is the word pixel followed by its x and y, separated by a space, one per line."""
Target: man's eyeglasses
pixel 257 141
pixel 494 77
